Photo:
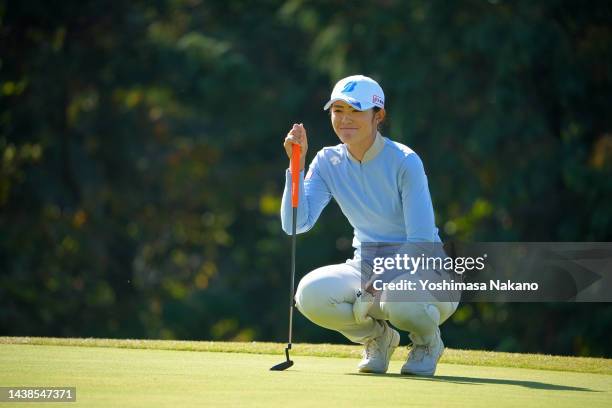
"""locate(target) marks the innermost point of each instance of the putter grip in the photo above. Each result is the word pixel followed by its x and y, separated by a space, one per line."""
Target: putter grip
pixel 295 174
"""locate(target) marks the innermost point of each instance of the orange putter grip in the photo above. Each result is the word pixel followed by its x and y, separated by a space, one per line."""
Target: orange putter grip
pixel 295 174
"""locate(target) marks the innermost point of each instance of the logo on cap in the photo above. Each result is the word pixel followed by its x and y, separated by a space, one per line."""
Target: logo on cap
pixel 377 100
pixel 349 87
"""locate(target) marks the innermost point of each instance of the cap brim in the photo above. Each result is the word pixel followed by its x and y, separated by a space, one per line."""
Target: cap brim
pixel 350 101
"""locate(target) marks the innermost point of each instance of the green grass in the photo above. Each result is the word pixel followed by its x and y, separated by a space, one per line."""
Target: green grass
pixel 451 356
pixel 135 373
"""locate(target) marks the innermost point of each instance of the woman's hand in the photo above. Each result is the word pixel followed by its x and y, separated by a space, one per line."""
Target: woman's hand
pixel 297 135
pixel 363 303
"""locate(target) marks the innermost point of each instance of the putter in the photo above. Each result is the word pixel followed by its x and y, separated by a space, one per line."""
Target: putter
pixel 295 178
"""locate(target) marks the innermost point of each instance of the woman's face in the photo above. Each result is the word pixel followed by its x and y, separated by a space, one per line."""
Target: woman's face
pixel 351 125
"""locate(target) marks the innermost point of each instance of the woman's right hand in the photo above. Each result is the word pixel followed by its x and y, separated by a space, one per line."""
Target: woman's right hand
pixel 297 135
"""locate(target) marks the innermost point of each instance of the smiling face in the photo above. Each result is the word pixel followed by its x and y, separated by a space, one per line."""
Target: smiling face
pixel 354 127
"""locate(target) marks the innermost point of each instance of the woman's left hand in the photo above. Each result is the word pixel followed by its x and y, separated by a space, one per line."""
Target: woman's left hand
pixel 363 303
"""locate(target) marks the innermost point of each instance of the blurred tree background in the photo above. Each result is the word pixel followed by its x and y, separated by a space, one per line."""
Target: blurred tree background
pixel 141 160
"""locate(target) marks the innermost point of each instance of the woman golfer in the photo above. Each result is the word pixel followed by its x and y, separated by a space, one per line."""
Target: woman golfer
pixel 381 187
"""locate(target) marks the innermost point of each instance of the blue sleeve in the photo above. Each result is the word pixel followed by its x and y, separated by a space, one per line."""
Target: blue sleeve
pixel 416 201
pixel 313 197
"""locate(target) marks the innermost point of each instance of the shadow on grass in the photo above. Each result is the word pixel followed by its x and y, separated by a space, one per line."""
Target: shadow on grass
pixel 477 381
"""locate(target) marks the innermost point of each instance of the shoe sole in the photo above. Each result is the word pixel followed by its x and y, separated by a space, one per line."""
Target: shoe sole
pixel 392 346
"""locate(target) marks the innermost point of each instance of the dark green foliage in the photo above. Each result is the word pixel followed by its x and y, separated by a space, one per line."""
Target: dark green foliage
pixel 141 164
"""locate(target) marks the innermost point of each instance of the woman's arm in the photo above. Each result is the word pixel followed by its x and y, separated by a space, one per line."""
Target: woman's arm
pixel 313 197
pixel 416 201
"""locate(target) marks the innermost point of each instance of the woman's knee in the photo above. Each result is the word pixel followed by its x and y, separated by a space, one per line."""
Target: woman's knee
pixel 310 294
pixel 321 290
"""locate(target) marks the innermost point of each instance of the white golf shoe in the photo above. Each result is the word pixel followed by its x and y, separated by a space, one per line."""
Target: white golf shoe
pixel 423 358
pixel 378 351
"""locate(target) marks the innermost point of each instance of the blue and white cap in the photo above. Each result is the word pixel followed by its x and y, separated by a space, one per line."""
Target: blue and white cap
pixel 361 92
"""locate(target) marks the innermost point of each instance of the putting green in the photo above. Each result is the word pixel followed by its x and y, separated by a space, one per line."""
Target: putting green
pixel 115 377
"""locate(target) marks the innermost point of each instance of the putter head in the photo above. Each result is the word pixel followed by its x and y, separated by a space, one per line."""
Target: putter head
pixel 282 366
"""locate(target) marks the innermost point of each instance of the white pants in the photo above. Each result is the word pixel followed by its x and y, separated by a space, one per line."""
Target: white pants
pixel 326 296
